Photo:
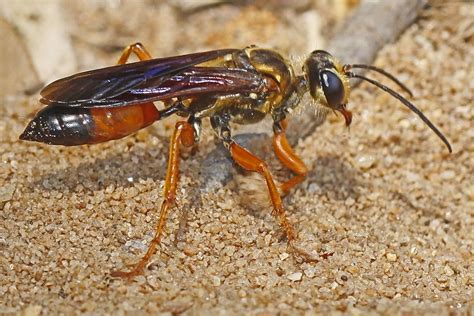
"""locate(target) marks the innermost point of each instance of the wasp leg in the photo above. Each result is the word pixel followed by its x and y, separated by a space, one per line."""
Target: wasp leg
pixel 250 162
pixel 138 49
pixel 184 134
pixel 288 157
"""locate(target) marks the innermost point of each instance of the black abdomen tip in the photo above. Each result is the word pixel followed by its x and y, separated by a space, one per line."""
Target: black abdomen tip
pixel 56 125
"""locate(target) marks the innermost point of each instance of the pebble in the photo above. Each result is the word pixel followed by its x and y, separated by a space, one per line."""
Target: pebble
pixel 314 188
pixel 296 276
pixel 373 196
pixel 448 175
pixel 310 272
pixel 6 192
pixel 32 310
pixel 216 281
pixel 448 270
pixel 412 177
pixel 349 201
pixel 365 162
pixel 391 257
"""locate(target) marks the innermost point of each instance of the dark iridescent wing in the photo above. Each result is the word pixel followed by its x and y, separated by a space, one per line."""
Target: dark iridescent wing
pixel 190 83
pixel 96 86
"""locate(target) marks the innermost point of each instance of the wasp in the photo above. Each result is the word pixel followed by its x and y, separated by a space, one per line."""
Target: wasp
pixel 227 86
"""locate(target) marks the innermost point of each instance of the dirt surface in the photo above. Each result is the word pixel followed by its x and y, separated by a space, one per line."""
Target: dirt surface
pixel 385 197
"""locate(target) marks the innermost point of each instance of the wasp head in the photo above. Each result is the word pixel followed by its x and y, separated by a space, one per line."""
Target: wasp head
pixel 327 82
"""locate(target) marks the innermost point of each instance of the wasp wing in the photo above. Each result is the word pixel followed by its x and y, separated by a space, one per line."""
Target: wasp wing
pixel 95 86
pixel 193 82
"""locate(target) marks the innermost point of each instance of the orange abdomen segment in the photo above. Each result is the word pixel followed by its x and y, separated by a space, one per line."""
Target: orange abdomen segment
pixel 117 122
pixel 72 126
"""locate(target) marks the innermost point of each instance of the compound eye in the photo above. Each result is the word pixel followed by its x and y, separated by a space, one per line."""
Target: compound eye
pixel 333 89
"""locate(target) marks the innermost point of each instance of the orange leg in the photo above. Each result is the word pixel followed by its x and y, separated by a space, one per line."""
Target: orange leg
pixel 138 49
pixel 289 159
pixel 183 134
pixel 252 163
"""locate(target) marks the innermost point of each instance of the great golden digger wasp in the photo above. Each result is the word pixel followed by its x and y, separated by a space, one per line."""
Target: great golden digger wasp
pixel 228 85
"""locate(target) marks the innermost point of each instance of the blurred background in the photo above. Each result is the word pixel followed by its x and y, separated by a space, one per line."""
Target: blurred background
pixel 43 40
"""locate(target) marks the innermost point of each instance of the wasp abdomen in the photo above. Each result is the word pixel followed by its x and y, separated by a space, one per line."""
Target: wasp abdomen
pixel 70 126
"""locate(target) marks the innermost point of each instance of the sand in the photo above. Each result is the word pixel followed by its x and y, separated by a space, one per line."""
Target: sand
pixel 385 197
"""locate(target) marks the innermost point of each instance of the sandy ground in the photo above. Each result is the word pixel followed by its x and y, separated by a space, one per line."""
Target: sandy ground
pixel 385 197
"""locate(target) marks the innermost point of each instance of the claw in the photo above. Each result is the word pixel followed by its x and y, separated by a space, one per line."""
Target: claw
pixel 307 256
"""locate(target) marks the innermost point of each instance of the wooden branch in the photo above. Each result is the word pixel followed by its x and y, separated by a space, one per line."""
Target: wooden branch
pixel 371 26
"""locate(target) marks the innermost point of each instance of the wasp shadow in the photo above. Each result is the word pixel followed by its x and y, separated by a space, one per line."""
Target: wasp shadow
pixel 120 169
pixel 333 176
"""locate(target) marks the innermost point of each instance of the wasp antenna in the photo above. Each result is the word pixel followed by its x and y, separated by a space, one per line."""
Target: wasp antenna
pixel 383 72
pixel 407 104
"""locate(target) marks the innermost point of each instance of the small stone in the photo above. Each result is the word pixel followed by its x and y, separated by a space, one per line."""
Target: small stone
pixel 32 310
pixel 110 189
pixel 340 213
pixel 226 205
pixel 216 281
pixel 6 192
pixel 373 196
pixel 310 272
pixel 283 256
pixel 412 177
pixel 314 188
pixel 229 250
pixel 296 276
pixel 448 175
pixel 391 257
pixel 131 193
pixel 448 270
pixel 349 201
pixel 365 162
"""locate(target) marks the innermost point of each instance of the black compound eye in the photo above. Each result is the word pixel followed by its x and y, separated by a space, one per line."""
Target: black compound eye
pixel 333 88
